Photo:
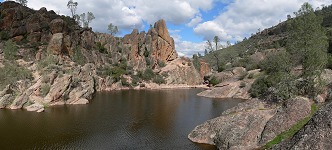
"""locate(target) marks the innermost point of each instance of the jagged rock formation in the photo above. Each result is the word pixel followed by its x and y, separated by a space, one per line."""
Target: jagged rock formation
pixel 69 63
pixel 251 124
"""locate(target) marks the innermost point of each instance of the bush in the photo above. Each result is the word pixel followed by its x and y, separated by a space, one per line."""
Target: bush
pixel 4 35
pixel 214 81
pixel 242 84
pixel 10 50
pixel 11 72
pixel 159 79
pixel 100 47
pixel 49 62
pixel 147 75
pixel 78 57
pixel 124 82
pixel 44 89
pixel 161 63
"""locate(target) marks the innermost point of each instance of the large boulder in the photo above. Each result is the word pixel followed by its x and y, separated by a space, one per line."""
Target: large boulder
pixel 57 26
pixel 315 135
pixel 237 128
pixel 55 45
pixel 292 112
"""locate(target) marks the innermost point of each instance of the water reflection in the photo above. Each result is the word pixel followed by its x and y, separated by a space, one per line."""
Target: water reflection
pixel 151 119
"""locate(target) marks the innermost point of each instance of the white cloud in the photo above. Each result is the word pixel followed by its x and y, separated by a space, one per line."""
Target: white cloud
pixel 243 17
pixel 186 48
pixel 195 21
pixel 127 14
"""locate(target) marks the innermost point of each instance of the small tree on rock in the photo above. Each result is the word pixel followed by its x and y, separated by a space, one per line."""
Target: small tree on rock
pixel 72 6
pixel 112 29
pixel 22 2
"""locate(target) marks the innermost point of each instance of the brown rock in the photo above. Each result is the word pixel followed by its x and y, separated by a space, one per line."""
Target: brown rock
pixel 56 44
pixel 57 26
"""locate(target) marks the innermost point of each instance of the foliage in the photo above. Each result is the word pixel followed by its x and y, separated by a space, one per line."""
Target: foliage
pixel 124 82
pixel 12 72
pixel 112 29
pixel 242 85
pixel 159 79
pixel 47 62
pixel 72 6
pixel 86 19
pixel 294 129
pixel 4 35
pixel 147 75
pixel 161 63
pixel 22 2
pixel 214 81
pixel 100 47
pixel 78 57
pixel 308 46
pixel 44 89
pixel 196 62
pixel 10 50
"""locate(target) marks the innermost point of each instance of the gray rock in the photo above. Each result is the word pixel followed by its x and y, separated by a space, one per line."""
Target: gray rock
pixel 315 135
pixel 237 128
pixel 293 111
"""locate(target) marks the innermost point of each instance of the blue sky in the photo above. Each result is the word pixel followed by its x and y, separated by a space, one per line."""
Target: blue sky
pixel 190 22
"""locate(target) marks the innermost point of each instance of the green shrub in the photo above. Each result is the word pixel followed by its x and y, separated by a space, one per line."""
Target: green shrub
pixel 243 75
pixel 44 89
pixel 161 63
pixel 135 80
pixel 159 79
pixel 10 50
pixel 147 75
pixel 124 82
pixel 78 57
pixel 11 72
pixel 100 47
pixel 49 62
pixel 4 35
pixel 214 81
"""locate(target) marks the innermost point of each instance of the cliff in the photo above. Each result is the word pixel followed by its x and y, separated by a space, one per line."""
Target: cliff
pixel 47 59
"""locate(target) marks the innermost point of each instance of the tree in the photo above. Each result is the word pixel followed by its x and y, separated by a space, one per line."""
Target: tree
pixel 90 17
pixel 308 46
pixel 213 48
pixel 112 29
pixel 83 20
pixel 72 6
pixel 22 2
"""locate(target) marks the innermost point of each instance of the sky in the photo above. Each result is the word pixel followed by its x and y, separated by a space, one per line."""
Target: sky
pixel 190 22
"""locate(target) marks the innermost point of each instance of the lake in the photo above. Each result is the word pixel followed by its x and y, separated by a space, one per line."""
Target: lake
pixel 145 119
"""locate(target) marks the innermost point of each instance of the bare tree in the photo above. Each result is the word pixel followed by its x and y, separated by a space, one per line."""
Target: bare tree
pixel 90 17
pixel 22 2
pixel 112 29
pixel 213 47
pixel 72 6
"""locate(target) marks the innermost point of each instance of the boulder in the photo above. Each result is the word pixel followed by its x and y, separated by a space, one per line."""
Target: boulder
pixel 237 128
pixel 315 135
pixel 35 107
pixel 58 88
pixel 292 112
pixel 57 26
pixel 56 44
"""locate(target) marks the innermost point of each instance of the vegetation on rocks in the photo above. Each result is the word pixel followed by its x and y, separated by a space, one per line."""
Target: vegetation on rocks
pixel 12 72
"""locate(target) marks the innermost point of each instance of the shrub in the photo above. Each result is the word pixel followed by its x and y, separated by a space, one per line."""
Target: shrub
pixel 159 79
pixel 135 80
pixel 100 47
pixel 44 89
pixel 214 81
pixel 11 72
pixel 4 35
pixel 161 63
pixel 10 50
pixel 147 75
pixel 124 82
pixel 50 62
pixel 78 57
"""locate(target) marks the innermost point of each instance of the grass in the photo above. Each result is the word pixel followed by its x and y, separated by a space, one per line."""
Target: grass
pixel 294 129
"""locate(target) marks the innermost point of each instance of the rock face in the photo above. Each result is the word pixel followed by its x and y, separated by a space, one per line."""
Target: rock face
pixel 235 84
pixel 251 124
pixel 237 128
pixel 315 135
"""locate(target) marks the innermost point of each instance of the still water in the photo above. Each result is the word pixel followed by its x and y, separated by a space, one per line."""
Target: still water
pixel 146 119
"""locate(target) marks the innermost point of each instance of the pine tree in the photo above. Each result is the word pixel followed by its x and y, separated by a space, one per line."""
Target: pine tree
pixel 308 46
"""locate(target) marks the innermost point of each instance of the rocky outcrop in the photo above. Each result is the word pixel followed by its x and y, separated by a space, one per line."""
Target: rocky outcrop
pixel 235 84
pixel 251 124
pixel 292 112
pixel 237 128
pixel 181 71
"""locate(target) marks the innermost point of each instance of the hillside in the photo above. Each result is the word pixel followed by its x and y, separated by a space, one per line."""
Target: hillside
pixel 47 59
